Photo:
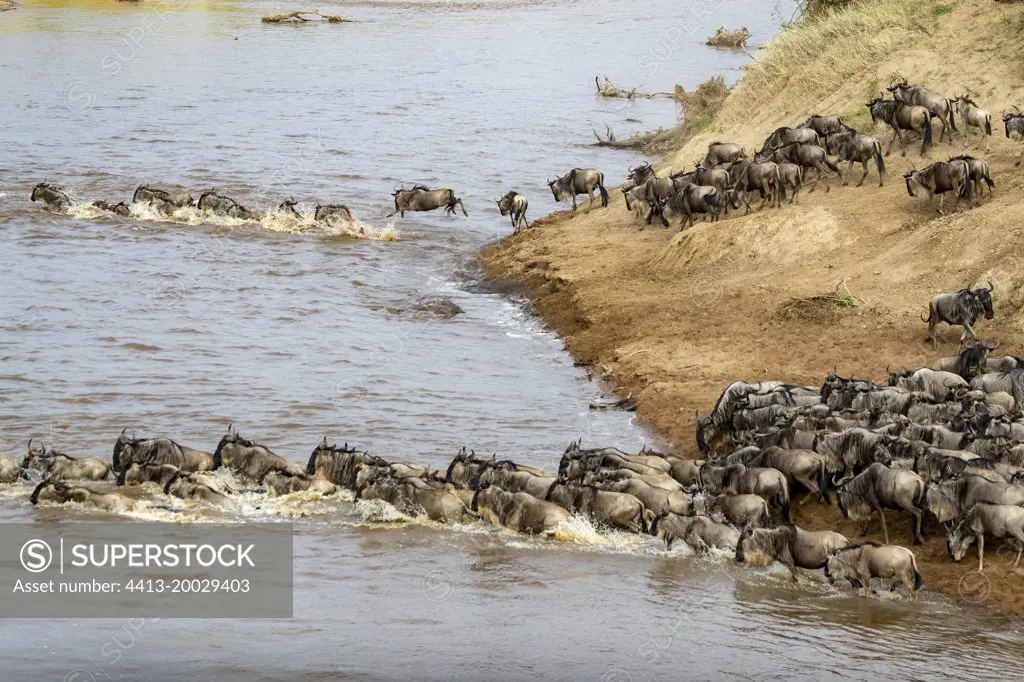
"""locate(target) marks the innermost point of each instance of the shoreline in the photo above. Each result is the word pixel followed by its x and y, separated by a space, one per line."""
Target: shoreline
pixel 671 318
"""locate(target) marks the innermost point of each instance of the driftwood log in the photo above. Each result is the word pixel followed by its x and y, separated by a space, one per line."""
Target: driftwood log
pixel 297 17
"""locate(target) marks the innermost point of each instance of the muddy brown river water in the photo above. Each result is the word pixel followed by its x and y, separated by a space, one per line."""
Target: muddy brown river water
pixel 182 327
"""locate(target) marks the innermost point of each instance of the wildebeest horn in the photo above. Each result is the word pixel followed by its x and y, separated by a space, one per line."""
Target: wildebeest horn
pixel 991 287
pixel 992 347
pixel 29 443
pixel 123 430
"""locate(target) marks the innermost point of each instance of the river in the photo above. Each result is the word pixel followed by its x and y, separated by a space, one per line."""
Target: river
pixel 179 329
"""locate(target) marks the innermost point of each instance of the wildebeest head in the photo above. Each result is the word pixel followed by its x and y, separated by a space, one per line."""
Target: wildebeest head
pixel 32 453
pixel 959 539
pixel 971 361
pixel 505 202
pixel 560 187
pixel 843 564
pixel 984 297
pixel 230 438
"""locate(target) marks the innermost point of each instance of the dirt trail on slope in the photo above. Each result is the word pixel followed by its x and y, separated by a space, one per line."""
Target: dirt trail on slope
pixel 671 318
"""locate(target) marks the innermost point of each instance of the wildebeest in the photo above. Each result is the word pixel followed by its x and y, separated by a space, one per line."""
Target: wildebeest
pixel 621 510
pixel 791 175
pixel 849 145
pixel 949 500
pixel 961 308
pixel 974 117
pixel 804 467
pixel 1004 363
pixel 791 546
pixel 192 486
pixel 784 136
pixel 579 181
pixel 861 562
pixel 1011 382
pixel 516 481
pixel 939 385
pixel 51 197
pixel 699 532
pixel 900 116
pixel 691 199
pixel 288 206
pixel 707 176
pixel 765 177
pixel 1014 125
pixel 514 205
pixel 938 106
pixel 422 198
pixel 824 125
pixel 939 178
pixel 994 520
pixel 280 482
pixel 218 204
pixel 978 172
pixel 58 492
pixel 158 451
pixel 720 153
pixel 710 426
pixel 340 466
pixel 518 511
pixel 734 479
pixel 248 458
pixel 336 214
pixel 120 208
pixel 635 201
pixel 658 500
pixel 641 174
pixel 739 510
pixel 878 488
pixel 160 199
pixel 58 466
pixel 969 363
pixel 415 496
pixel 134 473
pixel 10 470
pixel 806 156
pixel 656 192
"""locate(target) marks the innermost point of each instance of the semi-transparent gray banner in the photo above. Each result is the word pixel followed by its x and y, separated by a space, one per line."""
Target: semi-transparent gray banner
pixel 147 570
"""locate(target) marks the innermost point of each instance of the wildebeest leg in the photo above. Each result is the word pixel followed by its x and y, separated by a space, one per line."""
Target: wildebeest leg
pixel 867 587
pixel 816 181
pixel 573 203
pixel 1020 548
pixel 863 177
pixel 1019 159
pixel 896 132
pixel 885 528
pixel 915 530
pixel 981 552
pixel 590 204
pixel 849 171
pixel 942 198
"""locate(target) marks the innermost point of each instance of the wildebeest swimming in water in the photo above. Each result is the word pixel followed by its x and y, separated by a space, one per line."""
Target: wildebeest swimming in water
pixel 900 116
pixel 422 198
pixel 518 511
pixel 861 562
pixel 335 213
pixel 248 458
pixel 288 206
pixel 340 465
pixel 939 178
pixel 161 199
pixel 51 197
pixel 278 482
pixel 962 308
pixel 158 451
pixel 134 473
pixel 218 204
pixel 604 506
pixel 58 466
pixel 10 470
pixel 699 532
pixel 122 209
pixel 413 496
pixel 193 486
pixel 579 181
pixel 58 492
pixel 514 205
pixel 995 520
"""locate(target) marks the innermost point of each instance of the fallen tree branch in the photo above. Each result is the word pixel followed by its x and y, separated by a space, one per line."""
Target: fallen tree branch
pixel 296 17
pixel 607 89
pixel 726 38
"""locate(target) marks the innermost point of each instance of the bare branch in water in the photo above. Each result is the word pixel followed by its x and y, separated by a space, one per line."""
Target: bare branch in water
pixel 296 17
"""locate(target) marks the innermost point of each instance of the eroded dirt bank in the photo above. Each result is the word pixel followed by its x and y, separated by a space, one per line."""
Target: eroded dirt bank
pixel 671 318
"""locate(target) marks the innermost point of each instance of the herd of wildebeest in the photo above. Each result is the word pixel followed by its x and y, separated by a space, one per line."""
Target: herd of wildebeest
pixel 943 445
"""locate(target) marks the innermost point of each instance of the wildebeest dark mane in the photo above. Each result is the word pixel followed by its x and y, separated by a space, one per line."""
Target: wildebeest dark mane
pixel 511 193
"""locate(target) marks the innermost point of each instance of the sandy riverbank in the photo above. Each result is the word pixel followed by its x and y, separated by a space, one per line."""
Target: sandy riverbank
pixel 671 318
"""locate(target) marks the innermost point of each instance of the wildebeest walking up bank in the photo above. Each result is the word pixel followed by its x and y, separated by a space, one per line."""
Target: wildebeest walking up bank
pixel 422 198
pixel 579 181
pixel 961 308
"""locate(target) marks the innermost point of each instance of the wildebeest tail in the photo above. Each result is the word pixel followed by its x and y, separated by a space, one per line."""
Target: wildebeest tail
pixel 600 186
pixel 988 181
pixel 879 159
pixel 780 183
pixel 988 125
pixel 831 166
pixel 647 519
pixel 952 109
pixel 784 501
pixel 968 185
pixel 927 144
pixel 918 580
pixel 823 484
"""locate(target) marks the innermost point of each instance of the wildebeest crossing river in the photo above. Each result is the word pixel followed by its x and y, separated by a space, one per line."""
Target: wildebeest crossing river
pixel 180 329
